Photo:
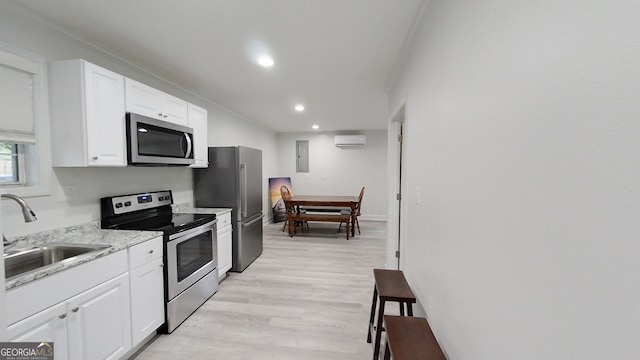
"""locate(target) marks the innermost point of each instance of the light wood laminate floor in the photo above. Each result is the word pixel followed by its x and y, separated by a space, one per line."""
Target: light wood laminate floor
pixel 306 297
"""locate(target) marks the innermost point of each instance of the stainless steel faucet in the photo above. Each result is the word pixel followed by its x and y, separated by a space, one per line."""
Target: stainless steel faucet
pixel 27 213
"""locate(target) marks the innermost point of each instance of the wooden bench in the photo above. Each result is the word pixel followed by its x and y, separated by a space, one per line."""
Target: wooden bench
pixel 390 285
pixel 410 338
pixel 326 217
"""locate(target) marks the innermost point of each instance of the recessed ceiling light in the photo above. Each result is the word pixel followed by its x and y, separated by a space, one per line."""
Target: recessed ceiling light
pixel 265 60
pixel 315 127
pixel 299 107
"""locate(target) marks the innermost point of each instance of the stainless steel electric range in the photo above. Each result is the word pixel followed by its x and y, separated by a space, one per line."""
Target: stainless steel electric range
pixel 190 248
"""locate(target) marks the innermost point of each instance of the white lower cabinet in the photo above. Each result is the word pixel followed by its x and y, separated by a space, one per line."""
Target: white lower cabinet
pixel 92 325
pixel 147 300
pixel 225 238
pixel 147 289
pixel 99 321
pixel 46 326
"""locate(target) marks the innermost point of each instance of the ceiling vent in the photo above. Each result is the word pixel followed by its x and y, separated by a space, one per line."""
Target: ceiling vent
pixel 350 140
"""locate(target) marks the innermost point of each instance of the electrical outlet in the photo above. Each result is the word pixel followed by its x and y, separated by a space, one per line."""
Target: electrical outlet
pixel 70 193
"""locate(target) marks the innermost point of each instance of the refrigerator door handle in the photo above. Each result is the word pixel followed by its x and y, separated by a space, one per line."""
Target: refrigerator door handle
pixel 252 221
pixel 243 194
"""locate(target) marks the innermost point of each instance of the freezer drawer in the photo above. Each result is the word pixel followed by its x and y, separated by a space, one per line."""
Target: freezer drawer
pixel 247 242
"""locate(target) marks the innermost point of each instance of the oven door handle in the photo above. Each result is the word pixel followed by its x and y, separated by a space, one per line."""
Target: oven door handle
pixel 195 231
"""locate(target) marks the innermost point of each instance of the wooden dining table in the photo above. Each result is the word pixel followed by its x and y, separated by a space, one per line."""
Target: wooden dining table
pixel 327 201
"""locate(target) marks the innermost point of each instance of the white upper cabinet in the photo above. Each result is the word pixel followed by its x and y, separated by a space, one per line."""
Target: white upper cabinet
pixel 175 110
pixel 142 99
pixel 87 115
pixel 145 100
pixel 198 121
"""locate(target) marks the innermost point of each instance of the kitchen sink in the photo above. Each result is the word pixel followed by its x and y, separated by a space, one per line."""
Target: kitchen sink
pixel 18 262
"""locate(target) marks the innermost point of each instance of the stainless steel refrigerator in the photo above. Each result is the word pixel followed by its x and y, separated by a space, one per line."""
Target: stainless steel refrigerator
pixel 234 180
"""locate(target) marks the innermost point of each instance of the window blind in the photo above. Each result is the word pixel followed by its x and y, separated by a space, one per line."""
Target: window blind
pixel 16 98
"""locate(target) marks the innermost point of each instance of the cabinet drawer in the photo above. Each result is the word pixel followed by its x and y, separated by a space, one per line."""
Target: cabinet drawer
pixel 143 253
pixel 224 220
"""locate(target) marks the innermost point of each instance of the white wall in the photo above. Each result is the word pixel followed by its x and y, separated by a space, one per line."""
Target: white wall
pixel 225 128
pixel 339 171
pixel 522 133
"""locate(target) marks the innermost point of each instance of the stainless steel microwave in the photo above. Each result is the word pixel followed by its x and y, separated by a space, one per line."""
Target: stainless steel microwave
pixel 152 142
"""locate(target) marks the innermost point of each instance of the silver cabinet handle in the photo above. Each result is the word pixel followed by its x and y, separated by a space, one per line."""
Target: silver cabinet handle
pixel 151 251
pixel 160 114
pixel 161 265
pixel 75 309
pixel 164 116
pixel 62 316
pixel 95 158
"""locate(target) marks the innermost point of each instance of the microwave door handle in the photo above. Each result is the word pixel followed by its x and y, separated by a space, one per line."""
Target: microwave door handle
pixel 186 136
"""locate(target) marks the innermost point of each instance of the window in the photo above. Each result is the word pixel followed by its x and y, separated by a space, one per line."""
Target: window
pixel 25 162
pixel 11 164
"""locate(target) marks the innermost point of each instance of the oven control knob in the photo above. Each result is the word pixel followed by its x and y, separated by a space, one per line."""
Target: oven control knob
pixel 118 205
pixel 160 198
pixel 127 203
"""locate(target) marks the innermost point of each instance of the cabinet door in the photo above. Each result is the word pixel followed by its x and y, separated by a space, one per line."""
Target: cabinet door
pixel 147 300
pixel 49 325
pixel 175 110
pixel 143 99
pixel 99 321
pixel 198 121
pixel 105 117
pixel 224 250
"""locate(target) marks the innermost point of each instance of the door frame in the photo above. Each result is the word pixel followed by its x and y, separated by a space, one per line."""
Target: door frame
pixel 396 179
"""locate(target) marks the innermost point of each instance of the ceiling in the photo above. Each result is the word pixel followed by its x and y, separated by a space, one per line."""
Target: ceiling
pixel 333 56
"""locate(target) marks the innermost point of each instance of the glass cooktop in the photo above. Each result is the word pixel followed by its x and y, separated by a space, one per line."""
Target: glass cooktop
pixel 169 223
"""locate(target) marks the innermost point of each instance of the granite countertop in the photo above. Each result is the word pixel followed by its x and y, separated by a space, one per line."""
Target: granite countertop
pixel 82 234
pixel 90 234
pixel 187 208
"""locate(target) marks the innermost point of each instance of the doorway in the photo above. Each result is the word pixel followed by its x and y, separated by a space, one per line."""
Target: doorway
pixel 395 225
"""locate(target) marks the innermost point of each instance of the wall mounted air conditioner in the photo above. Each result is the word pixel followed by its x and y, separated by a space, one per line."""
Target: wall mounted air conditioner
pixel 350 140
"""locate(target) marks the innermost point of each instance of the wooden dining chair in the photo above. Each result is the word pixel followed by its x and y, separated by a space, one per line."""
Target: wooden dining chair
pixel 286 195
pixel 358 206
